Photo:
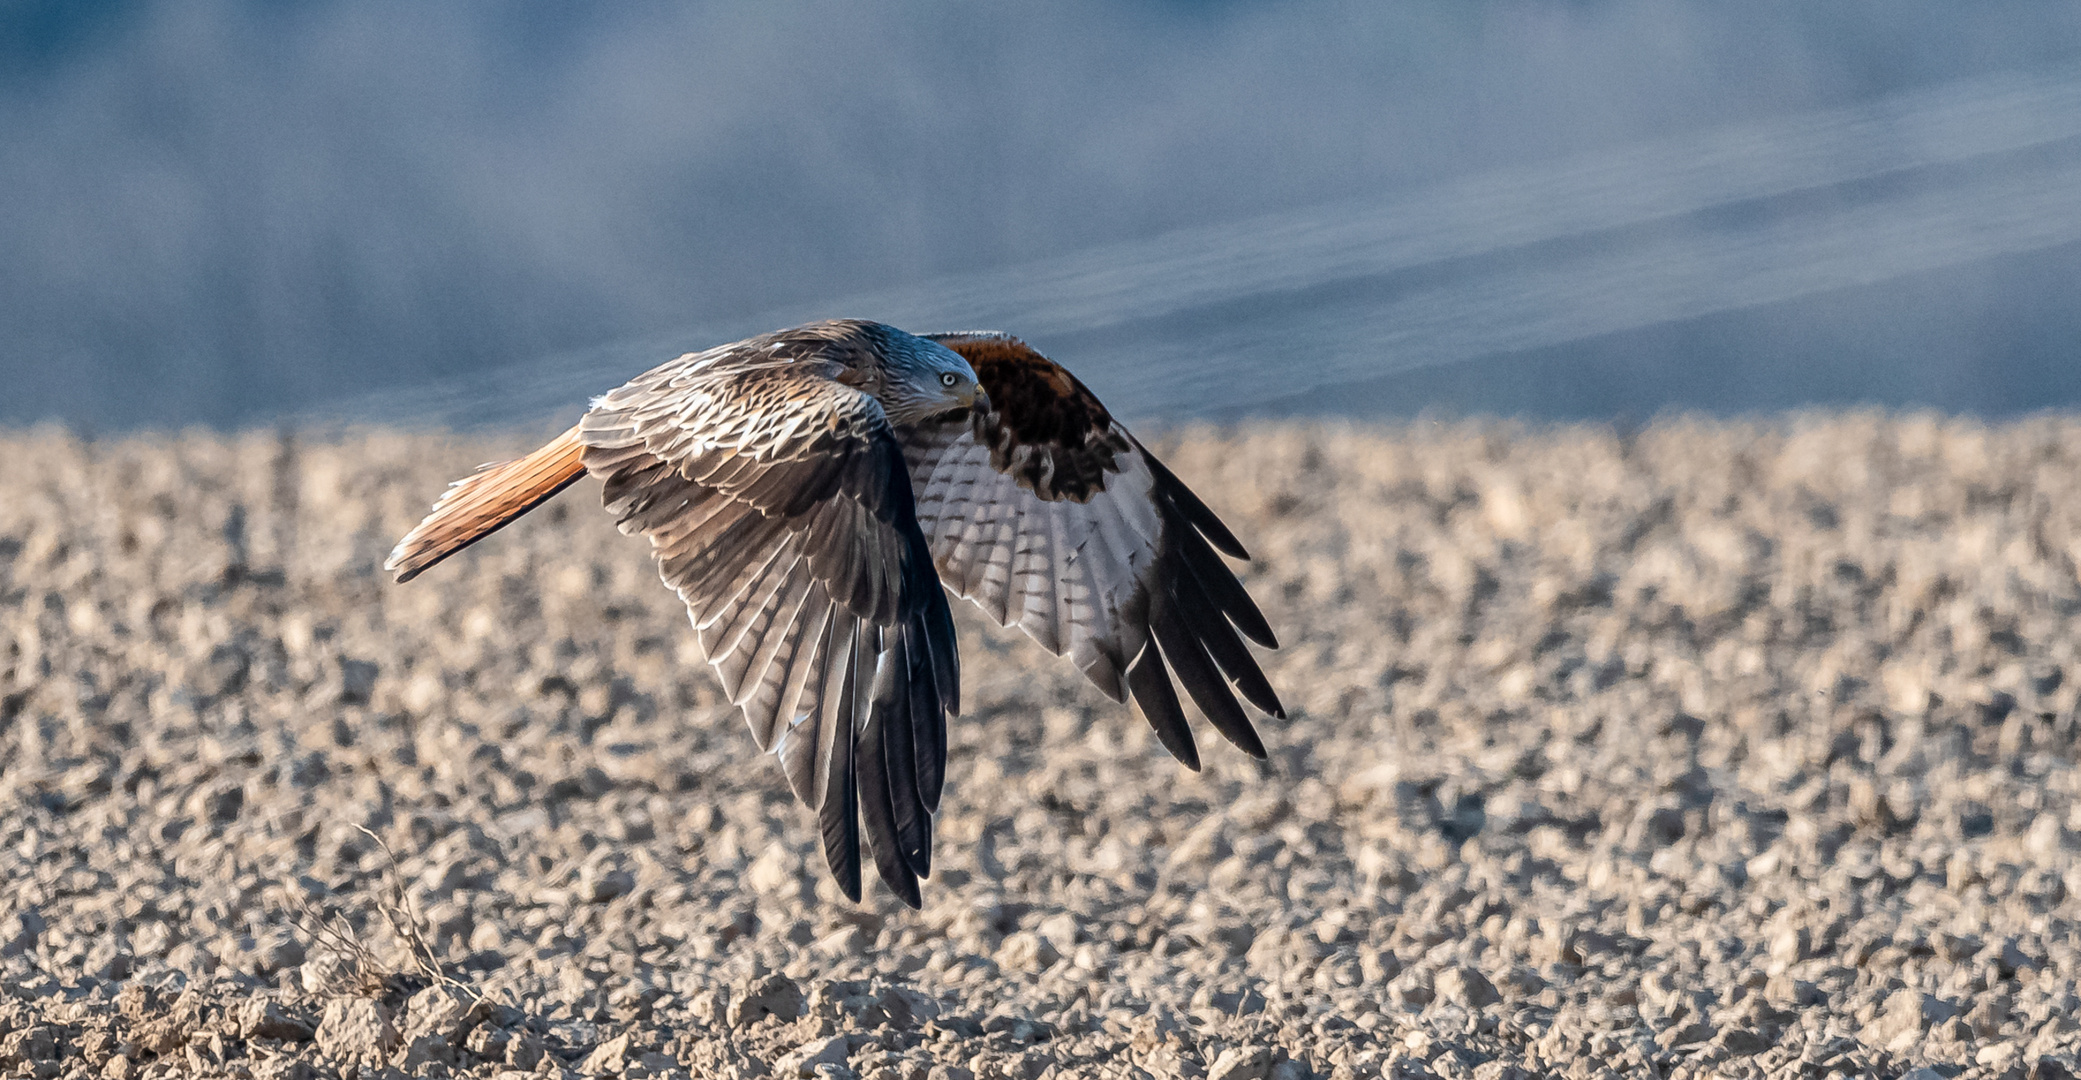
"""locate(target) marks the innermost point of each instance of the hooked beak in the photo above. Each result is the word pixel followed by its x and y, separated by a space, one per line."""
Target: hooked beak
pixel 976 399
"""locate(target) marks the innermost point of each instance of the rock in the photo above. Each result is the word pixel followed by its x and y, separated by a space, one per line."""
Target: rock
pixel 1410 992
pixel 1062 930
pixel 844 941
pixel 611 1058
pixel 1228 1001
pixel 1521 982
pixel 710 1007
pixel 20 931
pixel 444 1011
pixel 264 1018
pixel 804 1060
pixel 1685 1034
pixel 1241 1063
pixel 1379 965
pixel 1741 1042
pixel 1025 1065
pixel 1788 947
pixel 2012 961
pixel 325 973
pixel 1907 1015
pixel 775 995
pixel 357 681
pixel 37 1043
pixel 1786 992
pixel 872 1006
pixel 1027 951
pixel 355 1029
pixel 417 1053
pixel 220 803
pixel 773 871
pixel 487 1041
pixel 1021 1029
pixel 600 885
pixel 1988 1014
pixel 1466 987
pixel 277 954
pixel 525 1050
pixel 2053 1067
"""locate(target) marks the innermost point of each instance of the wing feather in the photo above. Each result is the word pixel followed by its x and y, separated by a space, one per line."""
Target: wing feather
pixel 1048 514
pixel 798 683
pixel 786 636
pixel 836 785
pixel 1158 700
pixel 779 506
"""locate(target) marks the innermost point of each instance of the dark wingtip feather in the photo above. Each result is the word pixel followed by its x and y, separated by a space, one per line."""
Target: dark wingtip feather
pixel 936 686
pixel 912 764
pixel 841 831
pixel 1173 490
pixel 944 649
pixel 1219 583
pixel 907 891
pixel 1177 625
pixel 1152 689
pixel 908 699
pixel 1227 649
pixel 884 841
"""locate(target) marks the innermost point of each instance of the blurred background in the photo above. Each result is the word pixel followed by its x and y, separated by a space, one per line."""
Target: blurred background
pixel 236 212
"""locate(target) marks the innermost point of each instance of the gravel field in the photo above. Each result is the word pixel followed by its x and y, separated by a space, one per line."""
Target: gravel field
pixel 1713 749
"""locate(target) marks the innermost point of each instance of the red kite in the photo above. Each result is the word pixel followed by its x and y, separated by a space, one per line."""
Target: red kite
pixel 808 491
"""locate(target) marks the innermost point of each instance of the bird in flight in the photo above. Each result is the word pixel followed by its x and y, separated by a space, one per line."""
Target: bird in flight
pixel 808 492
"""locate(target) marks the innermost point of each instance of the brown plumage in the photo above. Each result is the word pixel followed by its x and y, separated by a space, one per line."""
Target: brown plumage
pixel 477 505
pixel 808 492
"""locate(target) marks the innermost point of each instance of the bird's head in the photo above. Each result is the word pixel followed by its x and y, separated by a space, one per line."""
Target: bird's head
pixel 925 378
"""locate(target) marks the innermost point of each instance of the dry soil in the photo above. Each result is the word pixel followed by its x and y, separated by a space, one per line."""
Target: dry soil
pixel 1738 749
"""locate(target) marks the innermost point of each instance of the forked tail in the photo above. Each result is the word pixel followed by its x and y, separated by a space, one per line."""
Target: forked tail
pixel 479 504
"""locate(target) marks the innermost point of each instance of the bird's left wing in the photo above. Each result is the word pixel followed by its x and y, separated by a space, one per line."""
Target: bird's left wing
pixel 1043 510
pixel 776 500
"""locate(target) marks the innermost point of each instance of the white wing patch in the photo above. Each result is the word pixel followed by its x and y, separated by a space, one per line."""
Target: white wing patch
pixel 1070 574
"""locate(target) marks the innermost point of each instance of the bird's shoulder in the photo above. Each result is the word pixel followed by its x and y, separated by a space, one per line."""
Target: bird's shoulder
pixel 1043 426
pixel 824 372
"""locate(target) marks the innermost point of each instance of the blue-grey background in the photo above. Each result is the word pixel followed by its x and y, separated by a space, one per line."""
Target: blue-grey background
pixel 237 211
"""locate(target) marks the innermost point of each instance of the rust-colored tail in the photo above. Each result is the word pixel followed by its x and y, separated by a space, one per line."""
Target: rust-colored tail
pixel 479 504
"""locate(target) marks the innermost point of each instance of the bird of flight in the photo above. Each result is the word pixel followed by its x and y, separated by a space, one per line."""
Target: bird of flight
pixel 807 493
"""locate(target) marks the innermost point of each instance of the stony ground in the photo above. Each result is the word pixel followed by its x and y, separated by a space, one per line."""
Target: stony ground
pixel 1712 749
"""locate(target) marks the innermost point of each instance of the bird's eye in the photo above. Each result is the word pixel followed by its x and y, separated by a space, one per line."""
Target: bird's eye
pixel 948 379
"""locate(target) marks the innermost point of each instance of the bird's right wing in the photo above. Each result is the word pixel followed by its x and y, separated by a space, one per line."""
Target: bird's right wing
pixel 1043 510
pixel 777 503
